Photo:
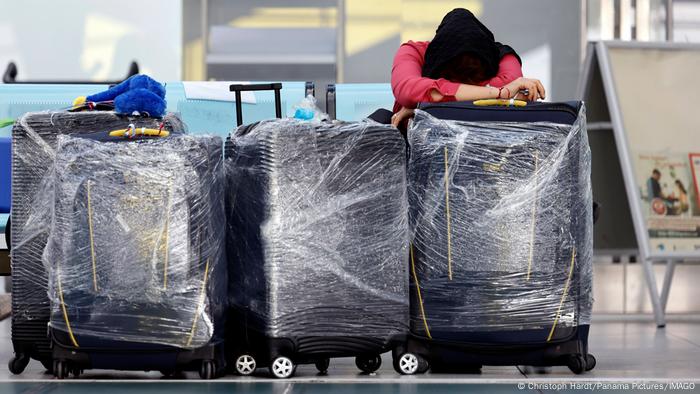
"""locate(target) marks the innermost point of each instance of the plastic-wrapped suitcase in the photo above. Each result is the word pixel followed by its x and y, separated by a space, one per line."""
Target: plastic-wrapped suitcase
pixel 33 146
pixel 318 244
pixel 134 247
pixel 5 186
pixel 501 255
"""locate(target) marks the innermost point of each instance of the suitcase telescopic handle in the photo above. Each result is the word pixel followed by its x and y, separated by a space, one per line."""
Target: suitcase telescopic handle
pixel 238 88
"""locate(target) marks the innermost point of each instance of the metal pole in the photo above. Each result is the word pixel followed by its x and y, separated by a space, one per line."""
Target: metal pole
pixel 278 104
pixel 669 20
pixel 659 312
pixel 668 278
pixel 204 20
pixel 583 40
pixel 239 108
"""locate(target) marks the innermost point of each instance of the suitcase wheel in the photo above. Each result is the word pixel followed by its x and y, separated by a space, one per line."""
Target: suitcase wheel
pixel 60 369
pixel 322 365
pixel 207 370
pixel 409 364
pixel 590 362
pixel 368 364
pixel 76 372
pixel 245 365
pixel 282 367
pixel 576 363
pixel 18 363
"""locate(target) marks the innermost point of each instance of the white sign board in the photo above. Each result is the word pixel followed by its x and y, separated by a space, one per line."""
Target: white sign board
pixel 650 90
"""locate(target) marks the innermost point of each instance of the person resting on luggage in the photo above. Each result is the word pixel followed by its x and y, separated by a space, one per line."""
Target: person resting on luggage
pixel 463 62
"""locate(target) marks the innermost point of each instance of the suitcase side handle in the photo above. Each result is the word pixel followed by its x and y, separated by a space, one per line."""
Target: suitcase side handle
pixel 507 102
pixel 500 102
pixel 131 132
pixel 238 88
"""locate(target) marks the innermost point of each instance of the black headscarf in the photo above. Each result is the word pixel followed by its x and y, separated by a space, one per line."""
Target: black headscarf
pixel 461 32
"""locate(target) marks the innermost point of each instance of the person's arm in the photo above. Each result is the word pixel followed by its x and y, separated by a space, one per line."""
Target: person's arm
pixel 509 69
pixel 469 93
pixel 511 90
pixel 462 93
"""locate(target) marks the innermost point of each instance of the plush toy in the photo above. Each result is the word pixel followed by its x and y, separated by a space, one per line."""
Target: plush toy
pixel 140 93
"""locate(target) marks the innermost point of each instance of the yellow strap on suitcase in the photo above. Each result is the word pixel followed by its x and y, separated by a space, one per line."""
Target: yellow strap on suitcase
pixel 65 312
pixel 500 102
pixel 92 239
pixel 166 236
pixel 533 219
pixel 420 298
pixel 200 304
pixel 563 296
pixel 447 214
pixel 132 131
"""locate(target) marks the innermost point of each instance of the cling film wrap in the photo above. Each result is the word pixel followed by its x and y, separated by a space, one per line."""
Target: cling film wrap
pixel 501 227
pixel 34 138
pixel 317 220
pixel 130 232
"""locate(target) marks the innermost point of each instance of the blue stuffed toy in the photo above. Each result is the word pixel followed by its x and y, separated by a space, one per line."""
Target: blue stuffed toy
pixel 139 94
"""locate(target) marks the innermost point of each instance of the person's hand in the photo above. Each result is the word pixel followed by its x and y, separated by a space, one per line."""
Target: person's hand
pixel 399 118
pixel 534 89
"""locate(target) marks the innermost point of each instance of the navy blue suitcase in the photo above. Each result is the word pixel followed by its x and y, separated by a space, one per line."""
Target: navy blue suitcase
pixel 500 209
pixel 322 278
pixel 121 323
pixel 34 138
pixel 140 310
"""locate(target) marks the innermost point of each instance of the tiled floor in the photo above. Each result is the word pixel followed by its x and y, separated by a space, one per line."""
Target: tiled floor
pixel 626 352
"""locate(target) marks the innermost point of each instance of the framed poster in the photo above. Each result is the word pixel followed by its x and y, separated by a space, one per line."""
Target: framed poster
pixel 694 159
pixel 658 140
pixel 668 199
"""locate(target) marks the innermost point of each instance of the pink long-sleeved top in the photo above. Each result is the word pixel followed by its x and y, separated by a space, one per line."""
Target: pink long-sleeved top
pixel 411 88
